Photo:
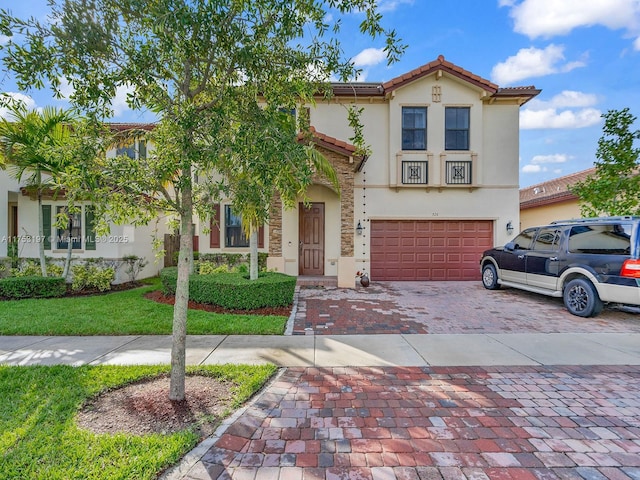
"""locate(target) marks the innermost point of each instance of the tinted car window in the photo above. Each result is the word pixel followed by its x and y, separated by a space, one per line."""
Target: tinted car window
pixel 548 239
pixel 613 239
pixel 524 240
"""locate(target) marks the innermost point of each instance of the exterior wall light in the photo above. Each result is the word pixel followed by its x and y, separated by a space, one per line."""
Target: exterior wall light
pixel 359 228
pixel 509 227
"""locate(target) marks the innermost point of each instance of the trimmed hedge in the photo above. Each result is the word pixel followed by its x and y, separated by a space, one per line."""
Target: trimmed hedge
pixel 32 287
pixel 234 290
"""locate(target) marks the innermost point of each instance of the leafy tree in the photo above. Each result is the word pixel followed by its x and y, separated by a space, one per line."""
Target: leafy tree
pixel 28 140
pixel 202 66
pixel 614 188
pixel 267 160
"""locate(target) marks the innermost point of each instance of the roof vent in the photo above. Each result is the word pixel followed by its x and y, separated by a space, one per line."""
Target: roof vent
pixel 538 190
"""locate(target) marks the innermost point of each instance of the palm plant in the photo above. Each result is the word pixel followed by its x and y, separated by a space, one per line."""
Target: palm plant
pixel 28 142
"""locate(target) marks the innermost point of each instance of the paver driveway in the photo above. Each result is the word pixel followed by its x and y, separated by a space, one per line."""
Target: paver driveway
pixel 437 423
pixel 444 307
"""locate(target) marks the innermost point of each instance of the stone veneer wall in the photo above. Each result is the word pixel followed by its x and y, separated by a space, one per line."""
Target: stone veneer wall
pixel 346 177
pixel 275 227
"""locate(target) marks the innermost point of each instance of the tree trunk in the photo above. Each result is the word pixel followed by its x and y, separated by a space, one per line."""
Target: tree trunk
pixel 180 309
pixel 253 253
pixel 67 260
pixel 43 260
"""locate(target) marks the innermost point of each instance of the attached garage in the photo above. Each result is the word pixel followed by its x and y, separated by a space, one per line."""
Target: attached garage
pixel 428 249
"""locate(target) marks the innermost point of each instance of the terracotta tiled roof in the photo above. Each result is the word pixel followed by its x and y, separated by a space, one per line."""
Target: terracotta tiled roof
pixel 358 89
pixel 330 143
pixel 382 89
pixel 553 191
pixel 335 145
pixel 121 127
pixel 439 64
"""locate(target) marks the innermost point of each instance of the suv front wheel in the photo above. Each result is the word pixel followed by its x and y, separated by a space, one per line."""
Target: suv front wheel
pixel 490 277
pixel 581 299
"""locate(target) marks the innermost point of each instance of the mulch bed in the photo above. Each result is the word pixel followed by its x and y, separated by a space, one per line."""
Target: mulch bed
pixel 144 407
pixel 158 296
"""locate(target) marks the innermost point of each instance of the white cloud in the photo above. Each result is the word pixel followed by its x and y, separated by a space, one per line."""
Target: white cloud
pixel 119 102
pixel 565 99
pixel 551 118
pixel 28 102
pixel 369 57
pixel 568 109
pixel 4 39
pixel 66 89
pixel 555 158
pixel 636 44
pixel 531 169
pixel 533 62
pixel 546 18
pixel 391 5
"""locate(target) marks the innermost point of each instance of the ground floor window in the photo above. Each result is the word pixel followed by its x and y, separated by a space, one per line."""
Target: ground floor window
pixel 73 230
pixel 234 233
pixel 79 228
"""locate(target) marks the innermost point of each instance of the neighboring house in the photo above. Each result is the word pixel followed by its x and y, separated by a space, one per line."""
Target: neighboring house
pixel 440 185
pixel 552 200
pixel 21 222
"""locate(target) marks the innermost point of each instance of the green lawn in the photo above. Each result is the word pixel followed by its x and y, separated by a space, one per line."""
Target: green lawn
pixel 39 438
pixel 122 313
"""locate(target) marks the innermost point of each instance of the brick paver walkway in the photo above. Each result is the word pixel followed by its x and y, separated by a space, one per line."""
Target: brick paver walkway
pixel 436 423
pixel 444 307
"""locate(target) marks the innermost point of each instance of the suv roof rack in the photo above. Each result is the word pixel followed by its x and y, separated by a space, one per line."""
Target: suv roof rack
pixel 596 219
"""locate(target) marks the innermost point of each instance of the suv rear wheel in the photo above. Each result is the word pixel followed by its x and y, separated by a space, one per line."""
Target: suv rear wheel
pixel 490 277
pixel 581 299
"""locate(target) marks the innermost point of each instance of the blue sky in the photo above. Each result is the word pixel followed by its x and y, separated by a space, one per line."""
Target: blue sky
pixel 583 54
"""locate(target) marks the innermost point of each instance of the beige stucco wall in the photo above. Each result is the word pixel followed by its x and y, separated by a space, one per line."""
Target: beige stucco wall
pixel 531 217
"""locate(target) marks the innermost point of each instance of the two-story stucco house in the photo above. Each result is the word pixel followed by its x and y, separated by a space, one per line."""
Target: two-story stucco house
pixel 440 185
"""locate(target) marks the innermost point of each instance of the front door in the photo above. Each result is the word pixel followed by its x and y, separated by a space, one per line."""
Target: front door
pixel 311 239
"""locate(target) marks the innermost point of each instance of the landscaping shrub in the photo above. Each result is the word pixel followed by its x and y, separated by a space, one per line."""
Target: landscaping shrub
pixel 89 276
pixel 209 268
pixel 235 290
pixel 32 287
pixel 134 266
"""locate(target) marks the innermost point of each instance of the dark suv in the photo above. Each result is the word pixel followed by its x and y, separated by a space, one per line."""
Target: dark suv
pixel 586 262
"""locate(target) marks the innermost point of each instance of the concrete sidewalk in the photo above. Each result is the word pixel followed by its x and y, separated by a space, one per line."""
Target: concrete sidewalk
pixel 519 349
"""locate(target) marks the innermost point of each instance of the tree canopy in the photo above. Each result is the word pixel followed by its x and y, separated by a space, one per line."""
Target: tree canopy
pixel 204 67
pixel 614 188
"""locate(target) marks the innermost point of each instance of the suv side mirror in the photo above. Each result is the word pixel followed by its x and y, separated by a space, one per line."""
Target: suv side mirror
pixel 510 247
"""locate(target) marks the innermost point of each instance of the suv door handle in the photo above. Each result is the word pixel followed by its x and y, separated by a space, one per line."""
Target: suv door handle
pixel 520 257
pixel 553 259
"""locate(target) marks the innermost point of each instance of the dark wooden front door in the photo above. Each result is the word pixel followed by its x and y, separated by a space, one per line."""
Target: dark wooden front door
pixel 311 239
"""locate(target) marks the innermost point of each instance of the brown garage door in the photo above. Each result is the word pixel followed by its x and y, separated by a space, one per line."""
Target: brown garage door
pixel 428 249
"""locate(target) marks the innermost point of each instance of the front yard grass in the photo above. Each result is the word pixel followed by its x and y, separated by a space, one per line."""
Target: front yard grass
pixel 122 313
pixel 39 438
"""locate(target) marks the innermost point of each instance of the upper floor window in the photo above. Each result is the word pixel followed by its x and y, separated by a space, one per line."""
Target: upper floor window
pixel 134 149
pixel 456 126
pixel 414 128
pixel 234 233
